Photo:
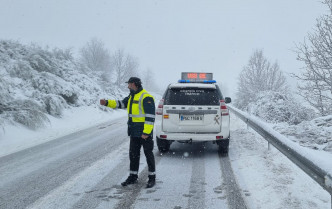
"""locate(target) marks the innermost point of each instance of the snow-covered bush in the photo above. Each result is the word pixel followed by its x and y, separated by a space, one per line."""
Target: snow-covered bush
pixel 48 83
pixel 316 133
pixel 275 107
pixel 54 104
pixel 4 91
pixel 25 112
pixel 30 118
pixel 35 82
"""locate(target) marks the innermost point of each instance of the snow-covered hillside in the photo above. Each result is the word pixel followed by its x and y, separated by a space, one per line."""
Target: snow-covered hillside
pixel 36 83
pixel 46 94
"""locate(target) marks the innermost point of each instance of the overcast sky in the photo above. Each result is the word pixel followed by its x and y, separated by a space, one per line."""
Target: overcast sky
pixel 170 36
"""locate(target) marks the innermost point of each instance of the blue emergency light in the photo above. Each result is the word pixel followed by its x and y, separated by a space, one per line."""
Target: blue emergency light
pixel 184 81
pixel 209 81
pixel 203 81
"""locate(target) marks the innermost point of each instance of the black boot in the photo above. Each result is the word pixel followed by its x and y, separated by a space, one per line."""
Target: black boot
pixel 132 179
pixel 151 182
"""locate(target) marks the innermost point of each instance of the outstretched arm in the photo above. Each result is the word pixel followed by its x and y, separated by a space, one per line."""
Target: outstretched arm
pixel 121 104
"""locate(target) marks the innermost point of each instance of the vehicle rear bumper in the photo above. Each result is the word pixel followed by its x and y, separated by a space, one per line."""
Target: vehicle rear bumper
pixel 190 137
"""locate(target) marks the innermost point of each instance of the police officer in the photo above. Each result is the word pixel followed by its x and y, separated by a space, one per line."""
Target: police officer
pixel 141 115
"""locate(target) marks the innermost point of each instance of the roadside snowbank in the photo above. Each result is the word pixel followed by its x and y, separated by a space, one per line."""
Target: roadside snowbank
pixel 15 138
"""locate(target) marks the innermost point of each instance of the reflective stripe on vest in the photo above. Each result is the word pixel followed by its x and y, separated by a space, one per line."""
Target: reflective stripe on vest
pixel 150 116
pixel 140 104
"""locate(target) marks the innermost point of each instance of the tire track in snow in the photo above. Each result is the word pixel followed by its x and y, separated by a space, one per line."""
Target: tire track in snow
pixel 234 197
pixel 197 182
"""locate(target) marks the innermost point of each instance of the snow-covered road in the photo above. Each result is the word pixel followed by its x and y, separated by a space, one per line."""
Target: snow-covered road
pixel 84 170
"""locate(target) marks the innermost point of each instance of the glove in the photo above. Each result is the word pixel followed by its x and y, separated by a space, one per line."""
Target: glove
pixel 103 102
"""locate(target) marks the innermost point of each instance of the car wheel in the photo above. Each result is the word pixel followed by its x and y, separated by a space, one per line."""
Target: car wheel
pixel 163 145
pixel 223 149
pixel 224 146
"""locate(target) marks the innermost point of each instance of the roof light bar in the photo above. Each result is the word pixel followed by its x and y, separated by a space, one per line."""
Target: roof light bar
pixel 202 81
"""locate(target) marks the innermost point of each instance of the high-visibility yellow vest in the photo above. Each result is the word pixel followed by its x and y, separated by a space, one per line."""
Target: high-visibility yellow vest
pixel 137 111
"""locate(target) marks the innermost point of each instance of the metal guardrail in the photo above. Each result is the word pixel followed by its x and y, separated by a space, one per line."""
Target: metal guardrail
pixel 316 173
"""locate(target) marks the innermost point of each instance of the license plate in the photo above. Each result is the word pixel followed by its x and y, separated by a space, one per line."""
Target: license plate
pixel 191 117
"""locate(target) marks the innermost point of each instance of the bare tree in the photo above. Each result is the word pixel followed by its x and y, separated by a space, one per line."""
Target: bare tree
pixel 316 79
pixel 148 79
pixel 259 75
pixel 63 53
pixel 124 66
pixel 97 58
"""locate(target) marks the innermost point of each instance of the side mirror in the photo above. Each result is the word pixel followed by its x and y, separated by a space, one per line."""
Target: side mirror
pixel 228 100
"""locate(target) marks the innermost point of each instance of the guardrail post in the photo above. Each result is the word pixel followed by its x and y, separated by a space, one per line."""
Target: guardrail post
pixel 247 119
pixel 328 184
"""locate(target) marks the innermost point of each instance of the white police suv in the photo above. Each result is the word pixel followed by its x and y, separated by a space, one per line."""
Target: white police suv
pixel 193 110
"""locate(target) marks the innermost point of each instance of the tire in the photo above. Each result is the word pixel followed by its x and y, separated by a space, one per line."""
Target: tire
pixel 223 150
pixel 223 147
pixel 163 145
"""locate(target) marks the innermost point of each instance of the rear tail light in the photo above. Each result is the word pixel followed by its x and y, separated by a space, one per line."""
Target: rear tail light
pixel 163 136
pixel 219 137
pixel 223 108
pixel 159 110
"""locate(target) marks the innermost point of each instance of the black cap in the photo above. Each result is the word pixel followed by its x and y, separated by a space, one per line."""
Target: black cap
pixel 134 80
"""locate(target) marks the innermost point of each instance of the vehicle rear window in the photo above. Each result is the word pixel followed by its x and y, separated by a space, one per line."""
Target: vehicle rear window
pixel 192 96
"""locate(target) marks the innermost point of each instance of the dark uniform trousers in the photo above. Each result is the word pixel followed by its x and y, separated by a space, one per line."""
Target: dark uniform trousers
pixel 135 150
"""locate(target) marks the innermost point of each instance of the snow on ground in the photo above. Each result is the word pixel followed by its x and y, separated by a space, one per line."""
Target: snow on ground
pixel 15 138
pixel 267 178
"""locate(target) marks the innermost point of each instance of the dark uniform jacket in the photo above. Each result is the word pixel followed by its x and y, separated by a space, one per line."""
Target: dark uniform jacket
pixel 136 129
